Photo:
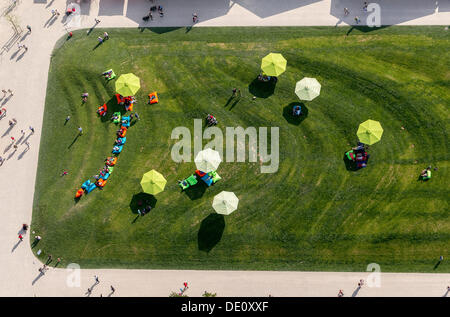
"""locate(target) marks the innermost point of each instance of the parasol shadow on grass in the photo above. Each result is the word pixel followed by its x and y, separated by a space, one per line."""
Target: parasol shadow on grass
pixel 141 200
pixel 290 118
pixel 262 89
pixel 350 165
pixel 196 191
pixel 210 232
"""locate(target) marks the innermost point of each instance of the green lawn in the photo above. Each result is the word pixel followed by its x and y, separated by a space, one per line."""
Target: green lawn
pixel 314 213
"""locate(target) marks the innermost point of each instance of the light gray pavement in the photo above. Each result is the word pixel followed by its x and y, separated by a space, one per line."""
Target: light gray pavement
pixel 26 74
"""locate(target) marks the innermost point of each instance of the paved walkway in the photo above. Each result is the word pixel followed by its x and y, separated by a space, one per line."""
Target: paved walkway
pixel 26 72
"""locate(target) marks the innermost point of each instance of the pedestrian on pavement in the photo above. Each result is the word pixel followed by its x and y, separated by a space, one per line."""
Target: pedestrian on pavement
pixel 23 132
pixel 357 20
pixel 32 129
pixel 29 28
pixel 4 93
pixel 27 144
pixel 25 47
pixel 112 289
pixel 346 11
pixel 361 282
pixel 19 46
pixel 80 130
pixel 15 147
pixel 25 227
pixel 20 237
pixel 1 160
pixel 341 293
pixel 13 139
pixel 10 91
pixel 96 279
pixel 365 6
pixel 89 291
pixel 97 21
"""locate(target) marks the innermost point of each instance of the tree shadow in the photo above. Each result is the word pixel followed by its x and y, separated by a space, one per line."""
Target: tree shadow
pixel 196 191
pixel 141 200
pixel 159 30
pixel 210 232
pixel 290 118
pixel 350 165
pixel 262 89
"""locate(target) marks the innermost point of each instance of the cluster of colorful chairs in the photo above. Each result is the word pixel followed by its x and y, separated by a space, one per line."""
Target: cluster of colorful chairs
pixel 107 170
pixel 208 178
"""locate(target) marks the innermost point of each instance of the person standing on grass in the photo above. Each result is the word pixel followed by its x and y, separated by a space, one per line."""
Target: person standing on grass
pixel 137 116
pixel 105 36
pixel 100 39
pixel 67 118
pixel 80 130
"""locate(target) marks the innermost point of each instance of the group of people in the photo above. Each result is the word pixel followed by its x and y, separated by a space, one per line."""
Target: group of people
pixel 211 120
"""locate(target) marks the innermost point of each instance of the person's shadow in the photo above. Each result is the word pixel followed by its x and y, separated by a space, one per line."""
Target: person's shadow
pixel 16 245
pixel 437 265
pixel 356 291
pixel 74 140
pixel 446 293
pixel 37 278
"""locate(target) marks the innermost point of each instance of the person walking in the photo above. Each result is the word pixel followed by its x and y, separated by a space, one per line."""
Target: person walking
pixel 341 293
pixel 4 93
pixel 346 11
pixel 100 40
pixel 10 91
pixel 234 92
pixel 1 160
pixel 112 289
pixel 80 130
pixel 97 21
pixel 32 129
pixel 25 47
pixel 357 20
pixel 96 279
pixel 20 237
pixel 29 28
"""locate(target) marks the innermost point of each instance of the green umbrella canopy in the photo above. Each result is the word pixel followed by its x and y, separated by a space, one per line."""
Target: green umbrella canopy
pixel 369 132
pixel 225 203
pixel 153 182
pixel 307 88
pixel 128 85
pixel 274 64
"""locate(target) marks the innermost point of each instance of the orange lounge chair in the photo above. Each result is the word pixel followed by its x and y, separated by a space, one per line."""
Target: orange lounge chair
pixel 100 182
pixel 79 193
pixel 153 98
pixel 111 161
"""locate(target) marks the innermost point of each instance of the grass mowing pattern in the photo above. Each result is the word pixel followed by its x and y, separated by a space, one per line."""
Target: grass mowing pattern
pixel 313 214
